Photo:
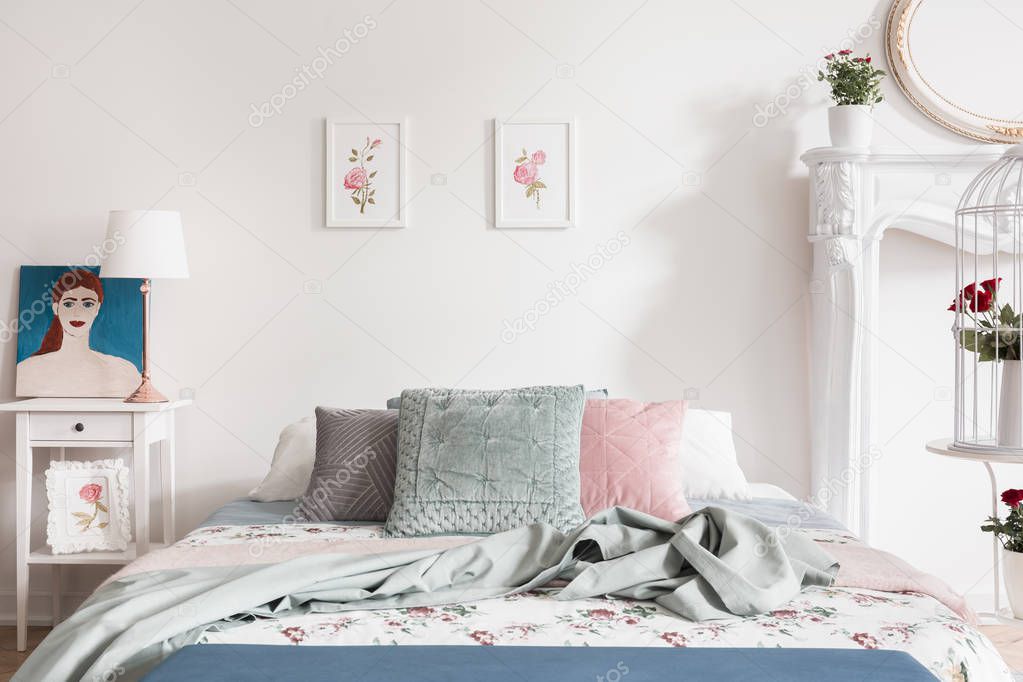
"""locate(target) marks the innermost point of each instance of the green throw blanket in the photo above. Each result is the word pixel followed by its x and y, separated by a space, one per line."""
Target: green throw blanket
pixel 714 563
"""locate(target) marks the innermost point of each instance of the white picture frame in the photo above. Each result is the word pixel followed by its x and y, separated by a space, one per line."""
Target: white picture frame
pixel 368 192
pixel 88 506
pixel 532 191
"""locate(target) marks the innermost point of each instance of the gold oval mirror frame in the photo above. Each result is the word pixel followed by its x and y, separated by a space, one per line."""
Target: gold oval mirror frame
pixel 951 97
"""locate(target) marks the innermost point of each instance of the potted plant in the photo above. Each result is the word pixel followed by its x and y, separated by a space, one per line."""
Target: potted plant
pixel 995 337
pixel 1010 534
pixel 855 88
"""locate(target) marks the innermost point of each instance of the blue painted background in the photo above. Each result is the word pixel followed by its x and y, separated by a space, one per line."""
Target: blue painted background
pixel 116 331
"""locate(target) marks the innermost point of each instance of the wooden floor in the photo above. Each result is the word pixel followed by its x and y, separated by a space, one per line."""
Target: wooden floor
pixel 10 659
pixel 1008 639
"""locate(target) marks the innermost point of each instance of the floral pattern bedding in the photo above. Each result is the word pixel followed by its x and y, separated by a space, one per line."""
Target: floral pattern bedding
pixel 834 617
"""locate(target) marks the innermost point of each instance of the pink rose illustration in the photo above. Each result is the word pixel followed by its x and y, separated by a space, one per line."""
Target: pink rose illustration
pixel 525 173
pixel 90 492
pixel 359 180
pixel 355 178
pixel 601 614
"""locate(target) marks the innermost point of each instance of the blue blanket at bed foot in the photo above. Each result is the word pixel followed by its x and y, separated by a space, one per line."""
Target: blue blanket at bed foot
pixel 514 664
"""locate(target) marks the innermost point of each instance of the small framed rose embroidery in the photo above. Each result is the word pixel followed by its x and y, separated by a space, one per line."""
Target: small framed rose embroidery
pixel 88 504
pixel 365 174
pixel 534 173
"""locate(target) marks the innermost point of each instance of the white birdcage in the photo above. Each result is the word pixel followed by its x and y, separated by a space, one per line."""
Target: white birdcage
pixel 988 300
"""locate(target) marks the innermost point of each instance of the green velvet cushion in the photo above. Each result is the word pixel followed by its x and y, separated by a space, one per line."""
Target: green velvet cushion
pixel 591 394
pixel 487 461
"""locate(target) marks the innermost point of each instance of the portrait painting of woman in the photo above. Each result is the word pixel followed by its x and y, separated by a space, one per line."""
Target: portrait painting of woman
pixel 73 339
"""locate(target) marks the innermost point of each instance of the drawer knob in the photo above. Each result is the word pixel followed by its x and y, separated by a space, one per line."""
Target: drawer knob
pixel 79 427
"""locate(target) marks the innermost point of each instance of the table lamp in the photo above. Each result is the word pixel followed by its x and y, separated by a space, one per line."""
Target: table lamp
pixel 151 245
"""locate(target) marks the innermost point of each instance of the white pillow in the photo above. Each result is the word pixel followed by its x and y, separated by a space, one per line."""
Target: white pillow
pixel 292 464
pixel 710 467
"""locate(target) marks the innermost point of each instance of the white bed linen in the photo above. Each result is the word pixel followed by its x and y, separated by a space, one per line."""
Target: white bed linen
pixel 833 617
pixel 769 491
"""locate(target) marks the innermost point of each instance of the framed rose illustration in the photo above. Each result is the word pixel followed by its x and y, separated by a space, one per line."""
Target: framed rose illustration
pixel 534 173
pixel 88 504
pixel 365 174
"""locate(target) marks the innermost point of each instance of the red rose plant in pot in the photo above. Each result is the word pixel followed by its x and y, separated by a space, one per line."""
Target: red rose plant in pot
pixel 993 330
pixel 855 88
pixel 1010 533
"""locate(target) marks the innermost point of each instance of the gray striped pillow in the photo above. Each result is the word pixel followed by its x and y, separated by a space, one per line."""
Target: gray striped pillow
pixel 353 476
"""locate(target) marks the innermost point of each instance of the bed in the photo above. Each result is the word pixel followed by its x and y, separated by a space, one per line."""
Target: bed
pixel 881 606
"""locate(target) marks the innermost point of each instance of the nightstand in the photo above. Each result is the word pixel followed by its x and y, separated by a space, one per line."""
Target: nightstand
pixel 944 448
pixel 60 423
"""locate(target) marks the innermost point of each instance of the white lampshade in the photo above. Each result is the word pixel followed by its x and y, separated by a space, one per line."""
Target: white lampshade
pixel 149 244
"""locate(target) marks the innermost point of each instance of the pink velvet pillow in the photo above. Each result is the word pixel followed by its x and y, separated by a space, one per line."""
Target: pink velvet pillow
pixel 629 457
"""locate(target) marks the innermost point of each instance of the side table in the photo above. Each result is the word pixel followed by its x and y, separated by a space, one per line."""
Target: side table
pixel 944 448
pixel 60 423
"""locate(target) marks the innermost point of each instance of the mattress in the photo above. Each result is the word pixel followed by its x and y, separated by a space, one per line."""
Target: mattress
pixel 851 618
pixel 879 603
pixel 245 512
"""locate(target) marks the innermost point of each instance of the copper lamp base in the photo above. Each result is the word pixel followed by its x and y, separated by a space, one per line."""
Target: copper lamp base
pixel 146 393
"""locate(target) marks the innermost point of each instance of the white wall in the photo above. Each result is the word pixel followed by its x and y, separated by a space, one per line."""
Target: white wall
pixel 124 106
pixel 929 508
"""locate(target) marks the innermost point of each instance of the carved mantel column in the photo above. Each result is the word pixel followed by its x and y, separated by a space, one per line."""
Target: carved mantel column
pixel 855 196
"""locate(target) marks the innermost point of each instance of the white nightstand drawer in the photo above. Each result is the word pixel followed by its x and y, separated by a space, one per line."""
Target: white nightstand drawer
pixel 99 426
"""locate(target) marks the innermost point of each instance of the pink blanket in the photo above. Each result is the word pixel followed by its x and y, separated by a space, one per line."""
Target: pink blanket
pixel 873 569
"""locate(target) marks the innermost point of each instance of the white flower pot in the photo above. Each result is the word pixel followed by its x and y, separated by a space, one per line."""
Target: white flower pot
pixel 1012 573
pixel 1010 406
pixel 850 125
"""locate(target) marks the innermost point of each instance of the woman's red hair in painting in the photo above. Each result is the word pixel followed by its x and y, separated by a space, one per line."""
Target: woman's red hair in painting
pixel 72 279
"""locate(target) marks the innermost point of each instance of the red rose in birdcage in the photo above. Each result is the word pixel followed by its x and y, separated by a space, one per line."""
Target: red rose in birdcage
pixel 989 328
pixel 974 299
pixel 991 285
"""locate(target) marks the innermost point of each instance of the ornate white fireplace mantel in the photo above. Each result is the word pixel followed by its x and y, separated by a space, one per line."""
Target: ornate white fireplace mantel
pixel 855 196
